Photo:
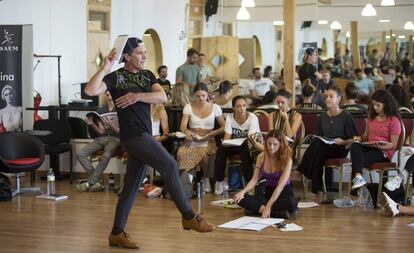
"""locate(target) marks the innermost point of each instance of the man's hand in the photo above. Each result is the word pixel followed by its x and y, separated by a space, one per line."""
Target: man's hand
pixel 126 100
pixel 109 61
pixel 89 120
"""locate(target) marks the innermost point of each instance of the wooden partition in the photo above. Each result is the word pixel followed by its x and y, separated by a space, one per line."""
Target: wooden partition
pixel 221 54
pixel 247 49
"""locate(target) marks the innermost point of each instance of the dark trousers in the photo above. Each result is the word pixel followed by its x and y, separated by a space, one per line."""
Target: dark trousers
pixel 314 158
pixel 221 161
pixel 142 151
pixel 285 202
pixel 409 166
pixel 362 156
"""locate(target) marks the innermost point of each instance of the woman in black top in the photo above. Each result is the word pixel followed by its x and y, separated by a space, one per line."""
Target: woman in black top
pixel 337 124
pixel 308 69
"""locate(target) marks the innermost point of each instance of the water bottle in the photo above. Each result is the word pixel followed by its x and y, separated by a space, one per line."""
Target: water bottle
pixel 51 183
pixel 111 182
pixel 199 190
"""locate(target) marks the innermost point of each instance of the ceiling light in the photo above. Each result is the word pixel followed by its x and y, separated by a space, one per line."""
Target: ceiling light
pixel 248 3
pixel 387 36
pixel 243 14
pixel 323 22
pixel 368 11
pixel 336 25
pixel 347 34
pixel 409 26
pixel 384 20
pixel 401 36
pixel 387 3
pixel 278 22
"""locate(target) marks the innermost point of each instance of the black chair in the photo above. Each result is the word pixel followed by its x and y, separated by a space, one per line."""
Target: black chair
pixel 79 128
pixel 20 152
pixel 57 142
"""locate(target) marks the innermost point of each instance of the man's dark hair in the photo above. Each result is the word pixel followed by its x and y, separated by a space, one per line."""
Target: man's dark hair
pixel 192 51
pixel 358 70
pixel 336 89
pixel 254 69
pixel 368 71
pixel 351 91
pixel 160 68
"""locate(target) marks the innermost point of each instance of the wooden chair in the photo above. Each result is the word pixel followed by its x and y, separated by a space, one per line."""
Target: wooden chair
pixel 263 117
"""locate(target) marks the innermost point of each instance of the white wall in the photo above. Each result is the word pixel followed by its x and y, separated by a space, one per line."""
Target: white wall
pixel 59 28
pixel 166 17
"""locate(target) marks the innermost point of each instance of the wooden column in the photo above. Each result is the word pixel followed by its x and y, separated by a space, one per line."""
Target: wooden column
pixel 393 47
pixel 289 12
pixel 410 47
pixel 337 43
pixel 383 42
pixel 356 62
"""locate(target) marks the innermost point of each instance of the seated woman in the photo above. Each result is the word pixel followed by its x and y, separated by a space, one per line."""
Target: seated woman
pixel 199 142
pixel 179 96
pixel 334 123
pixel 225 90
pixel 308 92
pixel 274 165
pixel 383 126
pixel 285 119
pixel 240 124
pixel 159 121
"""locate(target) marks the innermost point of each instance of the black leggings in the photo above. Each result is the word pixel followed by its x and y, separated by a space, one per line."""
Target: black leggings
pixel 409 166
pixel 362 156
pixel 221 161
pixel 285 202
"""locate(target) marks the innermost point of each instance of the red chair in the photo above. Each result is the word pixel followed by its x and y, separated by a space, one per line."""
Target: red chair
pixel 20 152
pixel 263 117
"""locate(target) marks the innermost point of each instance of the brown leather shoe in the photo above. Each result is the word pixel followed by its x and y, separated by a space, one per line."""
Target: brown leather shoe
pixel 123 240
pixel 198 224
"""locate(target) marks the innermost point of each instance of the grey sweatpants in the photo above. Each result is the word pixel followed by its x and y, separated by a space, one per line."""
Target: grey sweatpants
pixel 110 145
pixel 142 151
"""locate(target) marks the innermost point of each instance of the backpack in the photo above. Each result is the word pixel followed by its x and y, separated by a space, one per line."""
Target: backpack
pixel 5 188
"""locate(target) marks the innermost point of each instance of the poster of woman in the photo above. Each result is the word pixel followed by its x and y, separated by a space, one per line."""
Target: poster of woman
pixel 10 113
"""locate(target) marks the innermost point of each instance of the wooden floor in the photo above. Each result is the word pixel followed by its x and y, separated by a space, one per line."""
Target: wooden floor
pixel 82 224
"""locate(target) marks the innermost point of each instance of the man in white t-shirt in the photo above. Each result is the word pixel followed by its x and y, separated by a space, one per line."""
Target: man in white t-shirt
pixel 260 85
pixel 240 124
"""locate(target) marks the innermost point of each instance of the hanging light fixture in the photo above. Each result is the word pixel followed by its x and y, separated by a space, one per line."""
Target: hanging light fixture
pixel 248 3
pixel 347 34
pixel 336 25
pixel 387 3
pixel 369 11
pixel 278 22
pixel 409 26
pixel 243 14
pixel 323 22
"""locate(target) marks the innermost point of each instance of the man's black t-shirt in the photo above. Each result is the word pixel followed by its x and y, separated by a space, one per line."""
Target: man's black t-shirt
pixel 307 71
pixel 166 85
pixel 135 119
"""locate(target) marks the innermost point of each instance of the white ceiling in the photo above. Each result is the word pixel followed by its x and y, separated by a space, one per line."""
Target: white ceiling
pixel 341 10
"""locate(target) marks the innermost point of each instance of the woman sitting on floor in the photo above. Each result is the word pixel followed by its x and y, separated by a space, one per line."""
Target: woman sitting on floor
pixel 337 124
pixel 199 142
pixel 383 126
pixel 274 165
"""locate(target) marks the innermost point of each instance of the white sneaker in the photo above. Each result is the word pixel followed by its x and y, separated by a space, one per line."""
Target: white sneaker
pixel 358 182
pixel 207 186
pixel 219 188
pixel 394 183
pixel 389 205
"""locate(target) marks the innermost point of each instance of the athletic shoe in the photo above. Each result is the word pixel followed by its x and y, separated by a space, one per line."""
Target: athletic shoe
pixel 207 186
pixel 344 202
pixel 198 224
pixel 83 186
pixel 97 187
pixel 394 183
pixel 358 182
pixel 390 207
pixel 123 240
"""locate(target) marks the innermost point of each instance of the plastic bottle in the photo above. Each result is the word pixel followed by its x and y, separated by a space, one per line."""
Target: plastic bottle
pixel 111 182
pixel 51 183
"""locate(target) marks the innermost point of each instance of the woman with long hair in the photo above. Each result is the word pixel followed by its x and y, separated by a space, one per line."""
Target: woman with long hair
pixel 274 165
pixel 199 143
pixel 383 130
pixel 180 95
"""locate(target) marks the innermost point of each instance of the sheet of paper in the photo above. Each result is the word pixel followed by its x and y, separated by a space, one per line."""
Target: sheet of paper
pixel 269 221
pixel 326 140
pixel 233 142
pixel 238 223
pixel 119 45
pixel 180 135
pixel 291 227
pixel 307 204
pixel 222 202
pixel 254 226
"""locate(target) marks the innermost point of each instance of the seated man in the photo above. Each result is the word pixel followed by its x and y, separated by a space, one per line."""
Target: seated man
pixel 108 141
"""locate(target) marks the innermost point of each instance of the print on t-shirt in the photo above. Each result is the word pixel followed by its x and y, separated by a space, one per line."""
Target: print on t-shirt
pixel 239 133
